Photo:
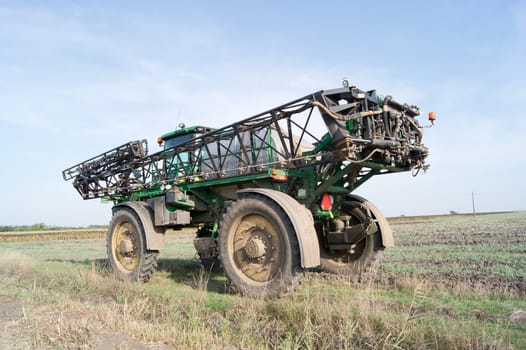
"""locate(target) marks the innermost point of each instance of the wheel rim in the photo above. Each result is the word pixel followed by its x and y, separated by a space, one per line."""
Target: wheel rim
pixel 125 241
pixel 257 248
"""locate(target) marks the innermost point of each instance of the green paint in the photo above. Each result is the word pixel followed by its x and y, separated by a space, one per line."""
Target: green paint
pixel 350 125
pixel 184 131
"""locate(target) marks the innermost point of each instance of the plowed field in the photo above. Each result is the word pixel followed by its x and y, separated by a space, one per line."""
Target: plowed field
pixel 484 252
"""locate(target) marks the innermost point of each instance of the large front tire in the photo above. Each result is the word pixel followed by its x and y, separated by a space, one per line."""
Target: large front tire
pixel 258 248
pixel 127 253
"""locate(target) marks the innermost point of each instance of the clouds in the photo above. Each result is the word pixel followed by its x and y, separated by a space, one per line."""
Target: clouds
pixel 79 78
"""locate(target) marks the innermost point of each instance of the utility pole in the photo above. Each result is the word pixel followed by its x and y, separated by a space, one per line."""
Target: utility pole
pixel 473 202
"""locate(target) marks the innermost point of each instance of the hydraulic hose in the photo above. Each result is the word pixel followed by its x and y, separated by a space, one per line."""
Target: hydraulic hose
pixel 339 117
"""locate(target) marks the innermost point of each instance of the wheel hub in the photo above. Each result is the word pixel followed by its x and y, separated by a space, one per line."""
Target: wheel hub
pixel 255 248
pixel 126 246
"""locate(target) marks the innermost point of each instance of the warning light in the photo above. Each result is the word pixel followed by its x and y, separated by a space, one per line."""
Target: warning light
pixel 432 117
pixel 326 203
pixel 160 140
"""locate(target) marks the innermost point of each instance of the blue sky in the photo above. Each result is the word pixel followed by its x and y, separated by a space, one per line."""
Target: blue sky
pixel 80 77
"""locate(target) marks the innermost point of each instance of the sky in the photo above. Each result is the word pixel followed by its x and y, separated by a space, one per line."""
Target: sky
pixel 78 78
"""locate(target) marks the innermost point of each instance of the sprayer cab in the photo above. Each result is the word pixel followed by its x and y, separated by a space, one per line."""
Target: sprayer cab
pixel 181 135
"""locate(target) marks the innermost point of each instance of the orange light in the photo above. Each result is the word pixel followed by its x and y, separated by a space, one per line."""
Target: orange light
pixel 432 116
pixel 277 175
pixel 326 203
pixel 159 140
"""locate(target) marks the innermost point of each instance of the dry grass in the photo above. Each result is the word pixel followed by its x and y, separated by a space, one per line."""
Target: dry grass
pixel 64 304
pixel 78 308
pixel 52 235
pixel 15 263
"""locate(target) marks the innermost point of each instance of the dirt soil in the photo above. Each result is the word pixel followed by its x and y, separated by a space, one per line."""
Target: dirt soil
pixel 483 252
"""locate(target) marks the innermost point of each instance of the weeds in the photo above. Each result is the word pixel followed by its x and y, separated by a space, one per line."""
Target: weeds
pixel 65 310
pixel 69 304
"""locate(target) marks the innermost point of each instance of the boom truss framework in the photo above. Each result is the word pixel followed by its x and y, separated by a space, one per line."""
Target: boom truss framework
pixel 364 130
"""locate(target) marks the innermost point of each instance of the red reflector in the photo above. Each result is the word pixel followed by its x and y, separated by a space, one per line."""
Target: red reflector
pixel 326 203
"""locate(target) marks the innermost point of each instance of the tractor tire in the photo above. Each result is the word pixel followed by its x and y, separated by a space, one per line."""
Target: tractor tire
pixel 127 253
pixel 258 248
pixel 358 261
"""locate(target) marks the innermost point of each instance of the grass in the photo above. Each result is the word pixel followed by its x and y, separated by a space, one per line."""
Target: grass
pixel 64 308
pixel 76 303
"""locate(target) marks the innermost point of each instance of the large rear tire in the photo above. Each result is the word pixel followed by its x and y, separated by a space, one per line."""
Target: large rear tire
pixel 127 253
pixel 362 256
pixel 258 248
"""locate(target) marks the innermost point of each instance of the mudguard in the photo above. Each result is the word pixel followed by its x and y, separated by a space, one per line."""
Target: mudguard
pixel 154 236
pixel 385 228
pixel 302 221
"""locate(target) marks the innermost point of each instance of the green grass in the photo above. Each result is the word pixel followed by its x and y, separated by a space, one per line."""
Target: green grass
pixel 322 314
pixel 70 297
pixel 68 250
pixel 319 315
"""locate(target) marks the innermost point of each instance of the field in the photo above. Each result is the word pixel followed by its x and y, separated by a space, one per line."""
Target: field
pixel 452 282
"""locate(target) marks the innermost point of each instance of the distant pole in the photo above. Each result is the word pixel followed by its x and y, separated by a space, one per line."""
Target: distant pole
pixel 473 202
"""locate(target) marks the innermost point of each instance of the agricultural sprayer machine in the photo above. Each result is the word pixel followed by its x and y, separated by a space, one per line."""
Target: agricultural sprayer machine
pixel 269 196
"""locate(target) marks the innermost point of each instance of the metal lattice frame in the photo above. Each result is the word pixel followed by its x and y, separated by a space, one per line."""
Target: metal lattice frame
pixel 364 131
